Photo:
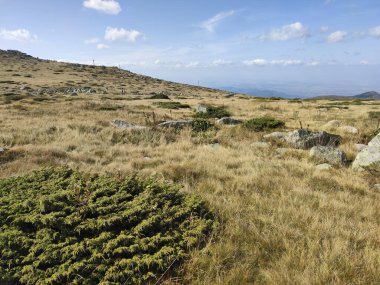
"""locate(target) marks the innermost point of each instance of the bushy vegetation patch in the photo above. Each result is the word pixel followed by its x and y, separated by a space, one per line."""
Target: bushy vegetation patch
pixel 58 226
pixel 263 123
pixel 172 105
pixel 213 112
pixel 374 115
pixel 159 96
pixel 200 125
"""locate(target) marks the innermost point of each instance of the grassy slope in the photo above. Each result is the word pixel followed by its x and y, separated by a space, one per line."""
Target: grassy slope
pixel 284 222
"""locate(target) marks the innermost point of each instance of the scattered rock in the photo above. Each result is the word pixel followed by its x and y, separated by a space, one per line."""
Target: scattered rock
pixel 176 124
pixel 349 130
pixel 201 108
pixel 276 135
pixel 329 154
pixel 305 139
pixel 2 149
pixel 360 147
pixel 215 145
pixel 261 145
pixel 228 121
pixel 376 186
pixel 324 166
pixel 125 125
pixel 332 124
pixel 369 156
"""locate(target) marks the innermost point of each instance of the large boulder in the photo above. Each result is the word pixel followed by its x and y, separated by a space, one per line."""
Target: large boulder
pixel 329 154
pixel 125 125
pixel 228 121
pixel 368 157
pixel 176 124
pixel 304 139
pixel 332 124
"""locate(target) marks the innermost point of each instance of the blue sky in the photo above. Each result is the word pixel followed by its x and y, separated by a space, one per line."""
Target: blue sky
pixel 300 47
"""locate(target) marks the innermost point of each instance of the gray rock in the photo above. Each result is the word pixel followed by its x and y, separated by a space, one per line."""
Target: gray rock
pixel 368 157
pixel 332 124
pixel 261 145
pixel 176 124
pixel 329 154
pixel 282 151
pixel 304 139
pixel 324 166
pixel 125 125
pixel 360 147
pixel 276 135
pixel 376 186
pixel 228 121
pixel 200 108
pixel 2 149
pixel 349 130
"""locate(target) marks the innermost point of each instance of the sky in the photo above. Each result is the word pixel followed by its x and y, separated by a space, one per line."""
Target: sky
pixel 303 48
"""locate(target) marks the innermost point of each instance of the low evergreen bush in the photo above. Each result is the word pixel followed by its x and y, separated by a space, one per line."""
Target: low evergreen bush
pixel 59 226
pixel 263 123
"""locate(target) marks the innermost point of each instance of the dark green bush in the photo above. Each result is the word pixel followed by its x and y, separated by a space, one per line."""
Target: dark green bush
pixel 200 125
pixel 58 226
pixel 213 112
pixel 159 96
pixel 172 105
pixel 263 123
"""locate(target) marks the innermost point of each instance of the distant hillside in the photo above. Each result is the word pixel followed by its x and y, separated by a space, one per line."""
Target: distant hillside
pixel 257 92
pixel 371 95
pixel 24 75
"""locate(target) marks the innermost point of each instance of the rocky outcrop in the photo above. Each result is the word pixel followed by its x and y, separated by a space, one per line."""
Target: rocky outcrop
pixel 200 108
pixel 228 121
pixel 369 157
pixel 176 124
pixel 304 139
pixel 328 154
pixel 125 125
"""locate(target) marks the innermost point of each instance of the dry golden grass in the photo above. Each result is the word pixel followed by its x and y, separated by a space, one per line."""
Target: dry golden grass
pixel 282 221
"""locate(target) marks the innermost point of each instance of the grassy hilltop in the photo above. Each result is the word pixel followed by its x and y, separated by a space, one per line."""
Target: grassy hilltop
pixel 280 220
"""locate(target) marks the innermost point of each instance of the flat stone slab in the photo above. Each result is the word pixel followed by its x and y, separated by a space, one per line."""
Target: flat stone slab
pixel 125 125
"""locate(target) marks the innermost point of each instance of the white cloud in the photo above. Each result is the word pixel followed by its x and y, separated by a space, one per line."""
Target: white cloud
pixel 114 34
pixel 287 32
pixel 277 62
pixel 324 29
pixel 258 61
pixel 192 64
pixel 220 62
pixel 92 41
pixel 337 37
pixel 101 46
pixel 211 24
pixel 313 63
pixel 364 62
pixel 20 35
pixel 107 6
pixel 375 32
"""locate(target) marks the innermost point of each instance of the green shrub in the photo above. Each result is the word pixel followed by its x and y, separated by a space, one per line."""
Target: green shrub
pixel 213 112
pixel 159 96
pixel 374 115
pixel 172 105
pixel 263 123
pixel 200 125
pixel 58 226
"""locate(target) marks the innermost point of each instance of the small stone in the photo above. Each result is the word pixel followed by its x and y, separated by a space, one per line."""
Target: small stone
pixel 215 145
pixel 328 154
pixel 324 166
pixel 376 186
pixel 228 121
pixel 200 108
pixel 125 125
pixel 276 135
pixel 176 124
pixel 349 130
pixel 2 149
pixel 332 124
